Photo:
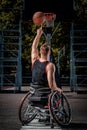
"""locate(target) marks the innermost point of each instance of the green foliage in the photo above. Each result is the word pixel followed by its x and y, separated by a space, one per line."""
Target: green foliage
pixel 60 38
pixel 16 4
pixel 80 7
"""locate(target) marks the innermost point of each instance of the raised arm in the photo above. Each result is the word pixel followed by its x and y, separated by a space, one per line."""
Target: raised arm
pixel 34 51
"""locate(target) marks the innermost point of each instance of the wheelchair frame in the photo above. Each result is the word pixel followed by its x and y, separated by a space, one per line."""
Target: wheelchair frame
pixel 58 108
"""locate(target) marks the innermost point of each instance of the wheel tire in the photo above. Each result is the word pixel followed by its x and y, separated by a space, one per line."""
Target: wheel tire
pixel 59 108
pixel 25 109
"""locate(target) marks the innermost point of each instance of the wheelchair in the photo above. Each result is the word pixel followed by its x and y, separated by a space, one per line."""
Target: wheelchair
pixel 47 105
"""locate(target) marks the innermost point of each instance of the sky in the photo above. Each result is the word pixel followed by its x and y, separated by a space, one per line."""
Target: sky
pixel 62 8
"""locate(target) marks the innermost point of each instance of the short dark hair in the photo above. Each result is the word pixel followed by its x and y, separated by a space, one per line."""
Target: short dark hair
pixel 44 49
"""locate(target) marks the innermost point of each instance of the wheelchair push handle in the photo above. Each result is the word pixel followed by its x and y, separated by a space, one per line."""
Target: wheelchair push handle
pixel 32 90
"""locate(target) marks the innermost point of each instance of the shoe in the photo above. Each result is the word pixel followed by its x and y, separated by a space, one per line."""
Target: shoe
pixel 47 121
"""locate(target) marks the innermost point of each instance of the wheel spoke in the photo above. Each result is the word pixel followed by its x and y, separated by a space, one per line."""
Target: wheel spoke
pixel 60 108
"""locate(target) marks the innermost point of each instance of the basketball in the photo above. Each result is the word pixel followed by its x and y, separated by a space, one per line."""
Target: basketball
pixel 38 18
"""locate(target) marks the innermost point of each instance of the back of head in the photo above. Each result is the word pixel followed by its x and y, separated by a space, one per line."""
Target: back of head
pixel 44 49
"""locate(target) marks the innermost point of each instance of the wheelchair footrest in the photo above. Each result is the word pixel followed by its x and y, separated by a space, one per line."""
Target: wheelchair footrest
pixel 46 107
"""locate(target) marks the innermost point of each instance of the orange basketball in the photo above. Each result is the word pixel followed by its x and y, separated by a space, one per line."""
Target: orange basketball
pixel 38 18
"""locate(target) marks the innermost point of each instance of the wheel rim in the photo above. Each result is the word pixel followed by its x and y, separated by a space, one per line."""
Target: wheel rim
pixel 60 109
pixel 26 112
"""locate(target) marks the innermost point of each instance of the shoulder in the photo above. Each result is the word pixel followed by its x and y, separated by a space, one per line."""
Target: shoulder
pixel 35 62
pixel 50 66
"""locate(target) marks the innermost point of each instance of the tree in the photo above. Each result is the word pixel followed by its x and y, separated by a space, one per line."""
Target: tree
pixel 61 37
pixel 80 7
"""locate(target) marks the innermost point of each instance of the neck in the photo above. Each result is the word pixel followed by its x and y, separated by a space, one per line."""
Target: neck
pixel 43 58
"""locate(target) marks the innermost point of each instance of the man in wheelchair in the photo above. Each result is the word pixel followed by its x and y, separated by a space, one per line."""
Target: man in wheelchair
pixel 45 98
pixel 43 71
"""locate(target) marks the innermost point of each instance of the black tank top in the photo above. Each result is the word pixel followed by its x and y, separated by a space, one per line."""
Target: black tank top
pixel 39 76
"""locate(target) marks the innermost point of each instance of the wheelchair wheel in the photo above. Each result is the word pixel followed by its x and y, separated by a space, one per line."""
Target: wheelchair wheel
pixel 26 112
pixel 59 108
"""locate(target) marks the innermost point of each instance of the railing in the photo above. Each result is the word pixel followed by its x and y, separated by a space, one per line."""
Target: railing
pixel 10 53
pixel 78 64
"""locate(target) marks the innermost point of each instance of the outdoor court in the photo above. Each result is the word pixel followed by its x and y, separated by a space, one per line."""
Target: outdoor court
pixel 9 120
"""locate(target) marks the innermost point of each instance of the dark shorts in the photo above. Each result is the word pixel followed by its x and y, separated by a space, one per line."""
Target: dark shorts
pixel 40 96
